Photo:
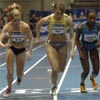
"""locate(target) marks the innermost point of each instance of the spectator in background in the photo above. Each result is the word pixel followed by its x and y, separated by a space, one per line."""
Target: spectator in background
pixel 1 23
pixel 33 21
pixel 74 16
pixel 98 14
pixel 82 16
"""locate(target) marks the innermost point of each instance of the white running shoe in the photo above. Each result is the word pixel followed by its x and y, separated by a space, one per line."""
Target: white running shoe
pixel 7 93
pixel 53 90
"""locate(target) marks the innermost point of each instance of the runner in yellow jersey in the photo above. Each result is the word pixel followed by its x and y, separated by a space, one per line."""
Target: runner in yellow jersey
pixel 56 44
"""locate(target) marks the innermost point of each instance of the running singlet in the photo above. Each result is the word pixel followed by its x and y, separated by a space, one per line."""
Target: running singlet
pixel 17 37
pixel 90 37
pixel 57 27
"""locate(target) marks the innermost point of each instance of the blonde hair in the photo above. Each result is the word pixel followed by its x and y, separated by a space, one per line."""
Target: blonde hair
pixel 59 6
pixel 14 6
pixel 14 10
pixel 15 13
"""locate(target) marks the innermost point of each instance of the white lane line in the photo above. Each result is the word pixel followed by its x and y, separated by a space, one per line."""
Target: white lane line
pixel 3 64
pixel 2 53
pixel 35 64
pixel 63 77
pixel 77 90
pixel 43 91
pixel 25 72
pixel 43 39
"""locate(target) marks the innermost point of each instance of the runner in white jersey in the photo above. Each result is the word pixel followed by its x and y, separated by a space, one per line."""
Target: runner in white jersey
pixel 17 32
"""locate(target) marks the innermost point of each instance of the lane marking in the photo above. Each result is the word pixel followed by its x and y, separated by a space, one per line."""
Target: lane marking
pixel 3 64
pixel 35 64
pixel 1 91
pixel 45 91
pixel 2 53
pixel 43 39
pixel 63 77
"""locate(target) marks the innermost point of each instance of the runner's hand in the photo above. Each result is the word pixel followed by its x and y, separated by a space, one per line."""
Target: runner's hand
pixel 7 45
pixel 28 55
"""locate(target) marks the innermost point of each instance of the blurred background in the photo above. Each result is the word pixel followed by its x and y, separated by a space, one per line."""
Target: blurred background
pixel 34 10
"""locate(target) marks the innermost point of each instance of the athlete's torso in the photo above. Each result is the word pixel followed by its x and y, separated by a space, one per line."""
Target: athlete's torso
pixel 17 38
pixel 57 29
pixel 90 37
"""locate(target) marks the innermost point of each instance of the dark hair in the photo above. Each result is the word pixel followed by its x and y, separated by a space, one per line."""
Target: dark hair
pixel 90 11
pixel 59 6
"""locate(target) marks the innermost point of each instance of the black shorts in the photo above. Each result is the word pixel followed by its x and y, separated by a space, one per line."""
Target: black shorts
pixel 17 51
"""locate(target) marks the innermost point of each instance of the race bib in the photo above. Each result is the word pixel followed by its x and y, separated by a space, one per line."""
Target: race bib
pixel 17 37
pixel 58 29
pixel 90 37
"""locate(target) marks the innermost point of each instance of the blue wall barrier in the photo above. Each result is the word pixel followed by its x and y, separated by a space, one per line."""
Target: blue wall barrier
pixel 44 30
pixel 73 12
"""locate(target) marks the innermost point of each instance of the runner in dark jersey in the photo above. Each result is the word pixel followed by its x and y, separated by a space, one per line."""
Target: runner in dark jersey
pixel 87 43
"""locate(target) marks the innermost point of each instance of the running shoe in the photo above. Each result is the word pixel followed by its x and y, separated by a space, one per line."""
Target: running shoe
pixel 7 93
pixel 93 84
pixel 53 90
pixel 83 89
pixel 18 81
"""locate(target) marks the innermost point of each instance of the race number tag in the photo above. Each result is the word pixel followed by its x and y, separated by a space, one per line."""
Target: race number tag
pixel 17 37
pixel 58 29
pixel 90 37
